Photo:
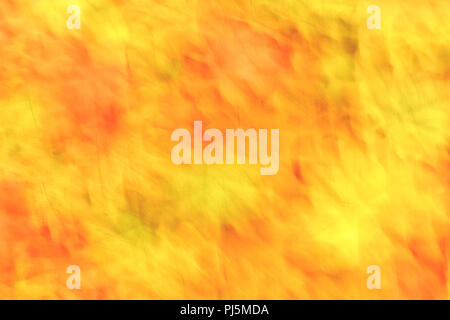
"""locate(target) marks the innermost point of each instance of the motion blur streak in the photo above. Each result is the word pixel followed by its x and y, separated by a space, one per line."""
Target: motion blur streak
pixel 85 171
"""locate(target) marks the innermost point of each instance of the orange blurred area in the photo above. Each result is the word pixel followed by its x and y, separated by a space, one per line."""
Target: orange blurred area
pixel 86 176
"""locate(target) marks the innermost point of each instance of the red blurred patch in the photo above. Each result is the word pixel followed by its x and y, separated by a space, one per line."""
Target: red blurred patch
pixel 12 200
pixel 84 97
pixel 30 245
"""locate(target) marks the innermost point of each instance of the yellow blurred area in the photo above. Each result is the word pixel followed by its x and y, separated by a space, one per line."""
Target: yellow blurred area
pixel 86 176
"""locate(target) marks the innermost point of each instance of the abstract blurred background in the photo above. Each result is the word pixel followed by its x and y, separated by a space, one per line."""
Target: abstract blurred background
pixel 86 176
